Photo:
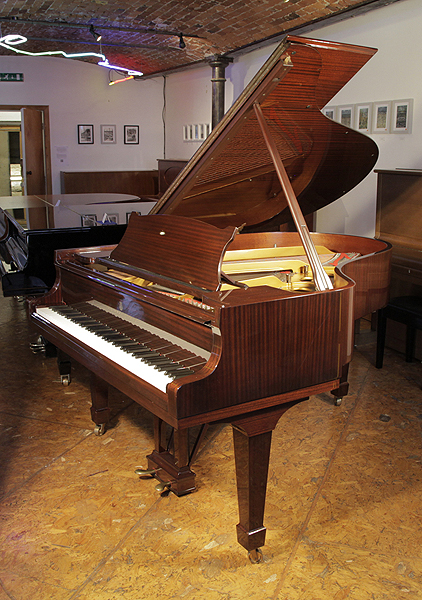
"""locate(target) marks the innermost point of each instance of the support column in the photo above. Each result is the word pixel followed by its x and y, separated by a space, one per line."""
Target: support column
pixel 218 65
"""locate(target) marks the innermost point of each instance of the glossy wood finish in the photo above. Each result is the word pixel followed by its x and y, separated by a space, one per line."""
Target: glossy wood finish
pixel 168 170
pixel 231 179
pixel 343 504
pixel 321 279
pixel 192 261
pixel 252 444
pixel 269 348
pixel 140 183
pixel 399 216
pixel 371 272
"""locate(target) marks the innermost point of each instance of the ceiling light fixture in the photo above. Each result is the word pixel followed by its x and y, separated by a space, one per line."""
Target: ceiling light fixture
pixel 105 63
pixel 120 80
pixel 95 35
pixel 9 41
pixel 181 41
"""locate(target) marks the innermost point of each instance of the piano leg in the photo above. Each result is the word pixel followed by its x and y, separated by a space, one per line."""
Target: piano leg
pixel 100 411
pixel 252 442
pixel 65 367
pixel 343 388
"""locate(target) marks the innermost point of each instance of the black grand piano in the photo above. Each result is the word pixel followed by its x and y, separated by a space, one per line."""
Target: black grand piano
pixel 29 253
pixel 205 311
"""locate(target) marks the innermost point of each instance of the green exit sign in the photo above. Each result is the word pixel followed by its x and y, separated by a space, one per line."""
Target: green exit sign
pixel 11 76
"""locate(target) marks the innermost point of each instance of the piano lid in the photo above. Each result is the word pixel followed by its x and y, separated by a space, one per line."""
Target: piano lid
pixel 231 180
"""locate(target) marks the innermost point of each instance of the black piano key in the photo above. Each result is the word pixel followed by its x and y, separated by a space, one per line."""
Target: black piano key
pixel 148 347
pixel 127 345
pixel 178 372
pixel 146 352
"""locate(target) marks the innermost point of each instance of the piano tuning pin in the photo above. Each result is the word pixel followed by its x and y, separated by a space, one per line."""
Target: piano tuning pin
pixel 143 472
pixel 164 485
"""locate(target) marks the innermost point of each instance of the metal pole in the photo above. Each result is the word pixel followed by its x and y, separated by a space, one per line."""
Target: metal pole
pixel 218 65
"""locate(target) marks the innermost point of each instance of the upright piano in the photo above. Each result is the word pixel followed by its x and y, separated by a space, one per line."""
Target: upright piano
pixel 205 311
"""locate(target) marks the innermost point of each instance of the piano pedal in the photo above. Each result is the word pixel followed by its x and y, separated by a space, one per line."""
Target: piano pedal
pixel 145 472
pixel 255 556
pixel 99 429
pixel 41 345
pixel 163 487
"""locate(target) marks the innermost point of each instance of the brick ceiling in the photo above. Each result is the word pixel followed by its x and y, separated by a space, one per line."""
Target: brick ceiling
pixel 145 35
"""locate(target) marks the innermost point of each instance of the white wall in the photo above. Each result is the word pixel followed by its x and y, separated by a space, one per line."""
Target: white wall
pixel 188 101
pixel 78 93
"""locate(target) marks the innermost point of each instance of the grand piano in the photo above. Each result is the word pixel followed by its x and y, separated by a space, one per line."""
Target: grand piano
pixel 205 311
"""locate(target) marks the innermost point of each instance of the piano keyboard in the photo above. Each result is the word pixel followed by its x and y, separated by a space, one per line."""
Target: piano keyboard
pixel 126 341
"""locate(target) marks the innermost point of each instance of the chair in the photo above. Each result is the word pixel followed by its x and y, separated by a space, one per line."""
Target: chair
pixel 404 309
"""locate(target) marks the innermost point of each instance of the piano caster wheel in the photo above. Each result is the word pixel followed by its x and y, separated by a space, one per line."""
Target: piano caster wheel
pixel 65 379
pixel 163 486
pixel 255 556
pixel 145 472
pixel 337 401
pixel 100 429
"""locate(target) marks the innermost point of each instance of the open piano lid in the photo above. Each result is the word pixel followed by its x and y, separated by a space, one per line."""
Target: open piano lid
pixel 231 180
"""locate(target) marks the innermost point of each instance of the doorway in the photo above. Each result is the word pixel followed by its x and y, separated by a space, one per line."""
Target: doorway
pixel 25 163
pixel 11 180
pixel 34 145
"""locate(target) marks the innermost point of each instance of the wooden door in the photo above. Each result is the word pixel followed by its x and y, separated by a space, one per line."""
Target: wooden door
pixel 34 173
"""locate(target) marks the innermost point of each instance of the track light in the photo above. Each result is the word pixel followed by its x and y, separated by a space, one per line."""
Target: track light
pixel 94 34
pixel 181 41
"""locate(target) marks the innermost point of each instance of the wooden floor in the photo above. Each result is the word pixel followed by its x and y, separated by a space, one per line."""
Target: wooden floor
pixel 344 501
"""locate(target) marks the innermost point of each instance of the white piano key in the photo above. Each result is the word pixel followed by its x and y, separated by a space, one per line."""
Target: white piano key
pixel 130 363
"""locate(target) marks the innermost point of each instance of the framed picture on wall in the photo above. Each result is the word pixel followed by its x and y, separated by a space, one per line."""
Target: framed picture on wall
pixel 330 112
pixel 131 133
pixel 345 115
pixel 381 117
pixel 108 134
pixel 110 219
pixel 401 116
pixel 88 220
pixel 85 134
pixel 363 117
